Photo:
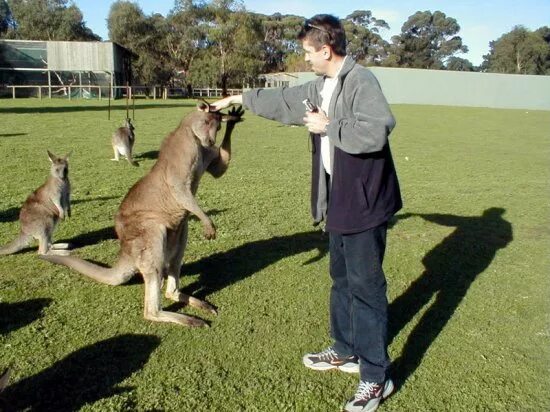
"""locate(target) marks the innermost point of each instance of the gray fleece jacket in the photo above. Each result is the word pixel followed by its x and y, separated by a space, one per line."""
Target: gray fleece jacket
pixel 364 190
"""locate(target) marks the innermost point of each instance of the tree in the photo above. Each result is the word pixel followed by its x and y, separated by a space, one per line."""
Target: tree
pixel 279 40
pixel 186 36
pixel 49 20
pixel 426 41
pixel 6 19
pixel 145 36
pixel 459 64
pixel 233 39
pixel 364 41
pixel 519 51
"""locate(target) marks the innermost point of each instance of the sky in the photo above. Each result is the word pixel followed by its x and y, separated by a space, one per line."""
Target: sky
pixel 481 21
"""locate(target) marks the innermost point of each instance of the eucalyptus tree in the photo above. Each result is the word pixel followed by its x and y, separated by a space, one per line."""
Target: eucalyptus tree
pixel 145 37
pixel 426 41
pixel 520 51
pixel 7 24
pixel 279 39
pixel 233 42
pixel 49 20
pixel 365 43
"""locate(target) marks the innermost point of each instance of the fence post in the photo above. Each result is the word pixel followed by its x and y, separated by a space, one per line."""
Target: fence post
pixel 99 92
pixel 13 92
pixel 40 92
pixel 69 92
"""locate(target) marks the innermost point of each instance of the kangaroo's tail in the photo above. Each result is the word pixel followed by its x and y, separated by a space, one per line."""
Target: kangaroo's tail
pixel 19 243
pixel 120 273
pixel 130 158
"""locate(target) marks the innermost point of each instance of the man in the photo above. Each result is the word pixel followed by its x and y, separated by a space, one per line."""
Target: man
pixel 354 189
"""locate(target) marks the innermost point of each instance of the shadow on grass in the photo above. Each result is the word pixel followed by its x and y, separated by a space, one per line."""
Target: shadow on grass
pixel 19 314
pixel 12 134
pixel 90 238
pixel 95 108
pixel 152 155
pixel 450 269
pixel 83 377
pixel 223 269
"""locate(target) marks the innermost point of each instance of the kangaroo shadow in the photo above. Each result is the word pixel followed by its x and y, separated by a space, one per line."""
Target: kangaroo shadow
pixel 10 215
pixel 83 377
pixel 19 314
pixel 450 269
pixel 12 134
pixel 151 155
pixel 222 269
pixel 90 238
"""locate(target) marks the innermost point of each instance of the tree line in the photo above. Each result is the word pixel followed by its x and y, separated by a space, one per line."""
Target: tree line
pixel 219 43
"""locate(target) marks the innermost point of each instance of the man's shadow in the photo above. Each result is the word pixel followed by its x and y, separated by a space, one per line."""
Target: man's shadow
pixel 450 269
pixel 83 377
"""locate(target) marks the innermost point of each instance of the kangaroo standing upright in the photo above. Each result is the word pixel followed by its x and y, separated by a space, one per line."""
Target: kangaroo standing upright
pixel 151 222
pixel 43 209
pixel 123 142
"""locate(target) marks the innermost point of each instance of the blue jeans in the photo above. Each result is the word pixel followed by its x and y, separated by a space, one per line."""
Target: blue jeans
pixel 358 301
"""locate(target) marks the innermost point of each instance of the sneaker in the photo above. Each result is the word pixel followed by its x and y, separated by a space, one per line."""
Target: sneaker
pixel 368 396
pixel 329 359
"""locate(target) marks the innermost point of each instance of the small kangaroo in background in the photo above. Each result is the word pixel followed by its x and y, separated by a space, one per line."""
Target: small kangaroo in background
pixel 152 220
pixel 123 142
pixel 43 209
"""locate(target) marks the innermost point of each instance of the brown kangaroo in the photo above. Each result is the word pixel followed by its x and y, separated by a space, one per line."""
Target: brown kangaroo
pixel 123 142
pixel 43 209
pixel 151 222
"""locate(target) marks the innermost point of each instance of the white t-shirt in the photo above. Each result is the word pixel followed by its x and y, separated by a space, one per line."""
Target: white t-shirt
pixel 326 96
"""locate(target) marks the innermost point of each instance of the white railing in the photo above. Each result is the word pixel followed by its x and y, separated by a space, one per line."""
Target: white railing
pixel 102 92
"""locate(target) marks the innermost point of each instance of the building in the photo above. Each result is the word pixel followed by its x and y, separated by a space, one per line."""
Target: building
pixel 62 68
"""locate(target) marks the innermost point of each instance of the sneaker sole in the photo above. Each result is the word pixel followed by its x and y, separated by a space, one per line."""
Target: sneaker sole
pixel 347 368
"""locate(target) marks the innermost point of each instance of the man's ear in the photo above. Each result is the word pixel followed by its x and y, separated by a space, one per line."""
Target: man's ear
pixel 327 52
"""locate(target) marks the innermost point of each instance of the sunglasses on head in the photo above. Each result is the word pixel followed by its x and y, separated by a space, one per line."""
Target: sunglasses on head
pixel 308 24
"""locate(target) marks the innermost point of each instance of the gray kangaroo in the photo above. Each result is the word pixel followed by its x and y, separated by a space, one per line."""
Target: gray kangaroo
pixel 123 142
pixel 152 220
pixel 43 209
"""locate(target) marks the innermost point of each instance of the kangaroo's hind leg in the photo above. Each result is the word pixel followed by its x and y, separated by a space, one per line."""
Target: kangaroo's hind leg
pixel 150 259
pixel 177 241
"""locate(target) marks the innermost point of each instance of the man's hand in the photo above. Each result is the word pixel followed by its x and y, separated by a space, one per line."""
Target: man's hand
pixel 316 122
pixel 227 101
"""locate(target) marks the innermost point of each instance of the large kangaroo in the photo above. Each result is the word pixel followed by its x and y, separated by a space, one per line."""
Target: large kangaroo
pixel 123 142
pixel 151 223
pixel 43 209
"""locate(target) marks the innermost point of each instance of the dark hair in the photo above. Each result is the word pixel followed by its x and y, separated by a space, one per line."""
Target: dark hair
pixel 324 29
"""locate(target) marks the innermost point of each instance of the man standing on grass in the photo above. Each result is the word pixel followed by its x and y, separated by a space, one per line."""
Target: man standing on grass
pixel 354 189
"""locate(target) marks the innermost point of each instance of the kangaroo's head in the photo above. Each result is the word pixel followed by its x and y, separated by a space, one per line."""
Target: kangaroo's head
pixel 206 123
pixel 60 165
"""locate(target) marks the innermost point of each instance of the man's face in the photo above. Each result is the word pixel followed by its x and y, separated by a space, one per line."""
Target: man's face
pixel 317 59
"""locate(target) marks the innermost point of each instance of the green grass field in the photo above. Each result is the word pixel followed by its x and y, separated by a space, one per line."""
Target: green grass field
pixel 467 267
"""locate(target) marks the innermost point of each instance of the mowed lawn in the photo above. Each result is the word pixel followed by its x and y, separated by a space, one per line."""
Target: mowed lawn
pixel 467 267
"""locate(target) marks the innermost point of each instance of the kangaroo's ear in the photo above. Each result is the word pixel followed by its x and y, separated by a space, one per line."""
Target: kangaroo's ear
pixel 51 156
pixel 203 106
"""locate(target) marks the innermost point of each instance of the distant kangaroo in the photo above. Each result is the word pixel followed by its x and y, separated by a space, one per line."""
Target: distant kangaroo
pixel 43 209
pixel 123 142
pixel 151 223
